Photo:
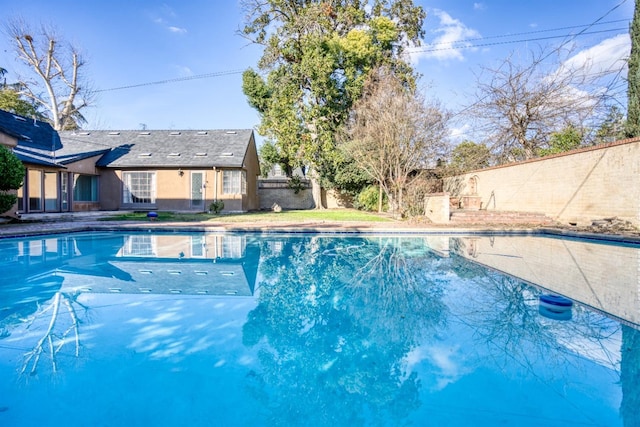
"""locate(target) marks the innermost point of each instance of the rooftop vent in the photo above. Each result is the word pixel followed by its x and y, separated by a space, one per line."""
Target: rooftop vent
pixel 231 132
pixel 226 154
pixel 84 133
pixel 114 133
pixel 20 118
pixel 202 132
pixel 173 155
pixel 144 155
pixel 174 133
pixel 201 154
pixel 144 133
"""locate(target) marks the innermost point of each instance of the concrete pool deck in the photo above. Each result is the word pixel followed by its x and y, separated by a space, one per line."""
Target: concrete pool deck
pixel 94 221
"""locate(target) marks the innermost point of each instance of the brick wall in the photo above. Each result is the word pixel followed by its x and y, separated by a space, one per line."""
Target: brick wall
pixel 573 187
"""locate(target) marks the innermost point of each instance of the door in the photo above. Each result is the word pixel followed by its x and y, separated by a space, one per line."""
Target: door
pixel 51 192
pixel 197 190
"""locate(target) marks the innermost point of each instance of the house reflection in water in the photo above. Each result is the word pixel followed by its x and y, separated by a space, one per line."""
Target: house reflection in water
pixel 203 264
pixel 144 263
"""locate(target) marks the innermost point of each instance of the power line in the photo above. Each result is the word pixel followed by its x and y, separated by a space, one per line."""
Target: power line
pixel 549 30
pixel 564 43
pixel 231 72
pixel 177 79
pixel 511 41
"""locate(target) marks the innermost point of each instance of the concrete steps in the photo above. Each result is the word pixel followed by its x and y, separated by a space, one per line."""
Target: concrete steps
pixel 462 216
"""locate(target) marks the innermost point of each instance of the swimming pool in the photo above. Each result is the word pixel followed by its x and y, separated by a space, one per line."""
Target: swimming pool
pixel 312 329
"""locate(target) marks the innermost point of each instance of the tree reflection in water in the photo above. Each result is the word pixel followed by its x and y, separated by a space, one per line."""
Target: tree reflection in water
pixel 335 322
pixel 60 331
pixel 504 313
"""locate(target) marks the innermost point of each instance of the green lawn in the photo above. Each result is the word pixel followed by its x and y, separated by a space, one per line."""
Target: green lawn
pixel 344 215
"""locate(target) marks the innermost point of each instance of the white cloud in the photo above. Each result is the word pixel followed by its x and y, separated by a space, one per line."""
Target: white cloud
pixel 161 16
pixel 479 6
pixel 183 70
pixel 460 133
pixel 608 56
pixel 448 42
pixel 177 29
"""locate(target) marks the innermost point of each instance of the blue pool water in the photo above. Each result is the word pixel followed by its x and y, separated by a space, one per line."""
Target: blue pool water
pixel 167 329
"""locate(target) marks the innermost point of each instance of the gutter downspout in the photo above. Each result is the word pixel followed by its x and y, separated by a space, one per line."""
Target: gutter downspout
pixel 215 184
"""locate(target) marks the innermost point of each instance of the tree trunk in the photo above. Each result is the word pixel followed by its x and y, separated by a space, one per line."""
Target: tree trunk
pixel 380 198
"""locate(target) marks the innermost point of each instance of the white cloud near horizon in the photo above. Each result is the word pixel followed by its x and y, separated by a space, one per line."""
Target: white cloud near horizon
pixel 448 41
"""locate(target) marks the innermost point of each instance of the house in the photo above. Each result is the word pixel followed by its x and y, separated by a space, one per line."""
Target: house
pixel 166 170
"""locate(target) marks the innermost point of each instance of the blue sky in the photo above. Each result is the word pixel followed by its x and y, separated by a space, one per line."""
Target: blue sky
pixel 194 45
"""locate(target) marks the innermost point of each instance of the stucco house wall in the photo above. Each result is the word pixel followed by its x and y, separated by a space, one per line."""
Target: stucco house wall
pixel 175 158
pixel 576 187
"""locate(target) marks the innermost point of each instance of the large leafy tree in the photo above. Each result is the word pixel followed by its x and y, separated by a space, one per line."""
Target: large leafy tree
pixel 468 156
pixel 317 55
pixel 11 177
pixel 11 101
pixel 633 93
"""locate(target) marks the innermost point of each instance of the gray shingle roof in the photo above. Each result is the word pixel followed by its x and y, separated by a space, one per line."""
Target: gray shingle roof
pixel 165 148
pixel 39 143
pixel 30 133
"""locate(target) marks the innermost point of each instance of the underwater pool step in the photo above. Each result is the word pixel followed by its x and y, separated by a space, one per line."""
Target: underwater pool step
pixel 462 216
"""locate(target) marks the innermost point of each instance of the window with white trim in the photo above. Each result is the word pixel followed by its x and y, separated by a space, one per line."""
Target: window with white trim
pixel 139 188
pixel 234 182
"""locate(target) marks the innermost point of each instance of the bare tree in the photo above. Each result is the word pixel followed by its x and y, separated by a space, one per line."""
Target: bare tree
pixel 518 106
pixel 58 66
pixel 394 135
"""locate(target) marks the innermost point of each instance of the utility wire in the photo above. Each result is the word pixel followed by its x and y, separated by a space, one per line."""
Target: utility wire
pixel 460 44
pixel 469 46
pixel 549 30
pixel 177 79
pixel 564 43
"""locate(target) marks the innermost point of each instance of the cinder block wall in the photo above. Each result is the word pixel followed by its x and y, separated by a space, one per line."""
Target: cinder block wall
pixel 574 187
pixel 277 191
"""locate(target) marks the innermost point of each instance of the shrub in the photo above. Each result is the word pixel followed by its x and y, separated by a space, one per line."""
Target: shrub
pixel 296 184
pixel 216 206
pixel 11 178
pixel 368 199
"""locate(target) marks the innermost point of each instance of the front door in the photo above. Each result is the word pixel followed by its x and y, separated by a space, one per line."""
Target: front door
pixel 197 191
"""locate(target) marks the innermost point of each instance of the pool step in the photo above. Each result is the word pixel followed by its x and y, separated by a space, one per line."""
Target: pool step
pixel 463 216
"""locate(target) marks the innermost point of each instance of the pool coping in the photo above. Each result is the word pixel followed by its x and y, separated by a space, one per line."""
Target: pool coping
pixel 323 227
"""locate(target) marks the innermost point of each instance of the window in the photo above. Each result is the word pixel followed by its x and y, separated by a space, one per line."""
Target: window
pixel 233 246
pixel 139 188
pixel 234 182
pixel 64 191
pixel 85 188
pixel 140 246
